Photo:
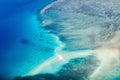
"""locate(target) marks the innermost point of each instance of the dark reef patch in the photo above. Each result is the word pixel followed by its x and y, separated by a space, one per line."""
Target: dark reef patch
pixel 24 41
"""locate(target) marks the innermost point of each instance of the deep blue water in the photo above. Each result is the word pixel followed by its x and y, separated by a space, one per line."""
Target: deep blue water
pixel 23 45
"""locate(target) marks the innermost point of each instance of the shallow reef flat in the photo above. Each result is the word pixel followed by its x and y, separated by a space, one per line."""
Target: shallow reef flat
pixel 87 25
pixel 87 34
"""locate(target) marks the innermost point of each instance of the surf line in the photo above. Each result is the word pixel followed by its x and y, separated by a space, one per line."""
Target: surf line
pixel 50 5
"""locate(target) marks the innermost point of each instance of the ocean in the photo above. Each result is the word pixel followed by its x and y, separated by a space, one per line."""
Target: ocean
pixel 60 39
pixel 23 44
